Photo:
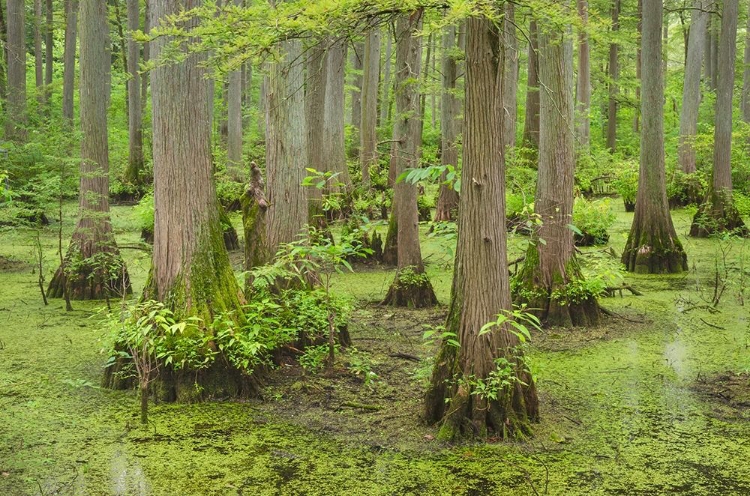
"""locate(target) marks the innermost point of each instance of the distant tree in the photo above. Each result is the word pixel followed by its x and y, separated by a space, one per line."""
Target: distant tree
pixel 652 245
pixel 135 112
pixel 718 213
pixel 691 90
pixel 357 63
pixel 583 92
pixel 235 167
pixel 510 75
pixel 447 203
pixel 614 74
pixel 15 116
pixel 316 65
pixel 480 282
pixel 745 105
pixel 531 121
pixel 38 54
pixel 368 127
pixel 93 268
pixel 69 60
pixel 334 122
pixel 411 286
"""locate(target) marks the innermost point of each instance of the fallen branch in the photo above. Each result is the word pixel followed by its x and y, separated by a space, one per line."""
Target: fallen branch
pixel 618 316
pixel 712 325
pixel 405 356
pixel 362 406
pixel 610 290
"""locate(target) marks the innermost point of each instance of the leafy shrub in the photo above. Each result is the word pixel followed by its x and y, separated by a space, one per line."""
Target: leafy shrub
pixel 591 219
pixel 626 184
pixel 685 189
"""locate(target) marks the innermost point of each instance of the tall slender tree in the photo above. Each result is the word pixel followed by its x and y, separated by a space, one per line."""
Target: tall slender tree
pixel 691 90
pixel 551 267
pixel 745 104
pixel 135 111
pixel 447 203
pixel 480 281
pixel 357 63
pixel 510 76
pixel 38 54
pixel 69 60
pixel 368 155
pixel 583 88
pixel 531 121
pixel 315 98
pixel 15 116
pixel 334 121
pixel 410 287
pixel 49 32
pixel 652 245
pixel 718 213
pixel 93 268
pixel 385 102
pixel 614 74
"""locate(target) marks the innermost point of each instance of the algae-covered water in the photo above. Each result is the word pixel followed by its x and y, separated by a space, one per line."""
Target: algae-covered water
pixel 625 408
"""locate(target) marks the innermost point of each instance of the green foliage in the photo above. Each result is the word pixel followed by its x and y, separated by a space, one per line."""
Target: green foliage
pixel 432 173
pixel 433 334
pixel 360 364
pixel 314 358
pixel 144 212
pixel 626 181
pixel 591 220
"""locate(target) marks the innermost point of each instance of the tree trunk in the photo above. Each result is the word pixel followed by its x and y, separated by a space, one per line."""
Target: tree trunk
pixel 447 204
pixel 719 214
pixel 691 90
pixel 315 94
pixel 583 90
pixel 357 62
pixel 652 246
pixel 69 61
pixel 333 123
pixel 614 74
pixel 510 77
pixel 3 56
pixel 254 208
pixel 135 114
pixel 38 54
pixel 714 30
pixel 637 116
pixel 385 103
pixel 15 116
pixel 286 148
pixel 550 267
pixel 117 18
pixel 49 30
pixel 480 282
pixel 745 105
pixel 531 121
pixel 93 268
pixel 410 287
pixel 368 129
pixel 146 55
pixel 235 166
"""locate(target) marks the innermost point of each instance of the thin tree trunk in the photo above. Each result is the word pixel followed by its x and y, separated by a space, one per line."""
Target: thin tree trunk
pixel 315 95
pixel 447 203
pixel 583 90
pixel 334 120
pixel 368 128
pixel 531 121
pixel 49 30
pixel 15 120
pixel 135 111
pixel 719 213
pixel 715 22
pixel 146 56
pixel 665 47
pixel 38 54
pixel 286 148
pixel 357 62
pixel 637 113
pixel 93 268
pixel 745 105
pixel 3 56
pixel 121 46
pixel 510 77
pixel 234 124
pixel 69 61
pixel 385 103
pixel 691 90
pixel 652 246
pixel 425 80
pixel 614 74
pixel 480 282
pixel 410 287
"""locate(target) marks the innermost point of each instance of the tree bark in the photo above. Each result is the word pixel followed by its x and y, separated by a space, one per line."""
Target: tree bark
pixel 714 30
pixel 15 120
pixel 135 111
pixel 550 265
pixel 286 148
pixel 410 287
pixel 531 121
pixel 315 95
pixel 93 268
pixel 38 54
pixel 637 116
pixel 333 124
pixel 49 31
pixel 745 105
pixel 480 282
pixel 614 74
pixel 3 56
pixel 652 246
pixel 447 203
pixel 510 77
pixel 235 166
pixel 368 128
pixel 691 90
pixel 719 214
pixel 254 209
pixel 357 63
pixel 69 61
pixel 146 56
pixel 385 103
pixel 583 87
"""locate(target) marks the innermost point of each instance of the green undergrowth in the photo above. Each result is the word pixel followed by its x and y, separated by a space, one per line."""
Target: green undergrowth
pixel 620 412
